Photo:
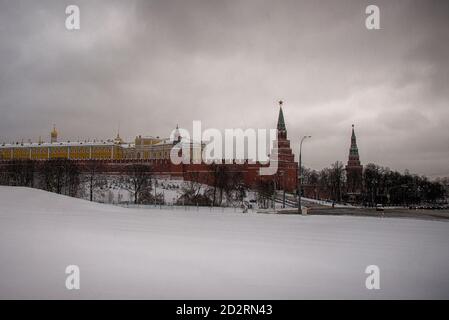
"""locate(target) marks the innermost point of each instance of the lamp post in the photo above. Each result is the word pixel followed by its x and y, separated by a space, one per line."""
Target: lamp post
pixel 300 174
pixel 283 189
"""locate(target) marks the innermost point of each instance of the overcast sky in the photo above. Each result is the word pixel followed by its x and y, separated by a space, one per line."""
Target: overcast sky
pixel 148 65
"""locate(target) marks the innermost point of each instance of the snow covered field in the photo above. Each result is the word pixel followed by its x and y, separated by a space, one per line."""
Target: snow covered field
pixel 163 254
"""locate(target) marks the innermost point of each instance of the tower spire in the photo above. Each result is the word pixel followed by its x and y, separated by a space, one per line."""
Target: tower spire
pixel 281 122
pixel 118 139
pixel 354 150
pixel 54 135
pixel 354 171
pixel 177 136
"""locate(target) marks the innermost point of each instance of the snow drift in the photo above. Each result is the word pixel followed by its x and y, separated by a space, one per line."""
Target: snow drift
pixel 167 254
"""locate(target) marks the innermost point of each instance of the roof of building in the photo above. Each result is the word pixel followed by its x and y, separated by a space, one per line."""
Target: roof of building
pixel 57 144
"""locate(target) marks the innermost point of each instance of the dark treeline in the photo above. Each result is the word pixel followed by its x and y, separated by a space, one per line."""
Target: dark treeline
pixel 265 192
pixel 137 179
pixel 59 175
pixel 73 178
pixel 380 185
pixel 70 178
pixel 210 189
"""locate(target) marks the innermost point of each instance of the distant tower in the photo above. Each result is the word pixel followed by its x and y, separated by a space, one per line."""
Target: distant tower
pixel 354 170
pixel 54 135
pixel 177 136
pixel 118 139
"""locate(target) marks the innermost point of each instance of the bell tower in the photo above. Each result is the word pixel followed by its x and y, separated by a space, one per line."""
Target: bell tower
pixel 54 135
pixel 177 136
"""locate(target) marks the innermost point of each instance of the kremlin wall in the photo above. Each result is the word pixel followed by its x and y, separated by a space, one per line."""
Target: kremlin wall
pixel 114 155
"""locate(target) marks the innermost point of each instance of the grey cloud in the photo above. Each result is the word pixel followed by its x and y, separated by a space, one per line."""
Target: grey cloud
pixel 149 65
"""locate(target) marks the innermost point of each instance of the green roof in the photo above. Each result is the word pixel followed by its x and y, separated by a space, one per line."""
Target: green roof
pixel 281 122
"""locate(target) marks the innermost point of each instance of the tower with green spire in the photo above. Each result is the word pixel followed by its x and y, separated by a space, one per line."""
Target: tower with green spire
pixel 282 131
pixel 354 170
pixel 354 159
pixel 286 176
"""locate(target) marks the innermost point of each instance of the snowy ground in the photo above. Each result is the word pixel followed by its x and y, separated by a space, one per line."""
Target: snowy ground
pixel 112 192
pixel 327 203
pixel 176 254
pixel 170 189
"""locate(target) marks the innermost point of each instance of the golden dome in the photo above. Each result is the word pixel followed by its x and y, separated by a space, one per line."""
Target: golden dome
pixel 54 134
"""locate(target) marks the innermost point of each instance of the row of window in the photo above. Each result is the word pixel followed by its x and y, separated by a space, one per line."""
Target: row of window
pixel 75 152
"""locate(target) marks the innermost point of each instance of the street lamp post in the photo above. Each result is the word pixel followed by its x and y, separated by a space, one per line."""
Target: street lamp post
pixel 283 190
pixel 300 174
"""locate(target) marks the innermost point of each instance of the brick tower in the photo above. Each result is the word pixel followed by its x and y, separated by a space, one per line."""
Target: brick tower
pixel 286 177
pixel 354 170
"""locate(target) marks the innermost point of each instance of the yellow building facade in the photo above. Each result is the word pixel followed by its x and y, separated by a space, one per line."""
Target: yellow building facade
pixel 63 150
pixel 142 148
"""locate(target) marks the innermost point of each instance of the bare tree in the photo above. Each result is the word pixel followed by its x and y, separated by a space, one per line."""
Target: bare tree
pixel 222 179
pixel 20 173
pixel 61 176
pixel 136 179
pixel 93 176
pixel 331 181
pixel 4 176
pixel 382 185
pixel 324 182
pixel 191 190
pixel 265 191
pixel 235 188
pixel 336 180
